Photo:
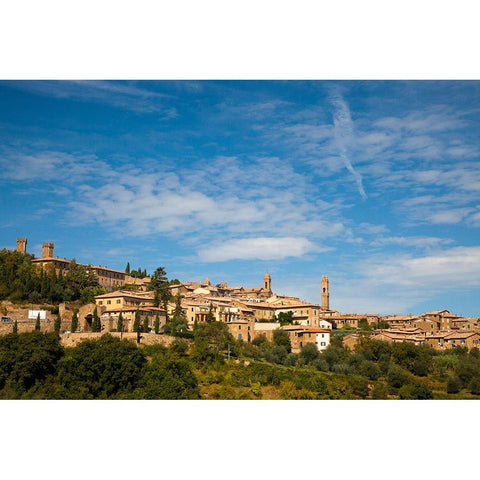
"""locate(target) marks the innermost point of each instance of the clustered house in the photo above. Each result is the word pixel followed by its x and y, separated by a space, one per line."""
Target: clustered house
pixel 253 311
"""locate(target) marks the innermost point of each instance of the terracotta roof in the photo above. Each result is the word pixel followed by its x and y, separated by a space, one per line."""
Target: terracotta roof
pixel 317 330
pixel 454 335
pixel 51 259
pixel 127 293
pixel 99 267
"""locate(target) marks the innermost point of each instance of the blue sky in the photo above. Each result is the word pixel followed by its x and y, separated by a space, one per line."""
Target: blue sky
pixel 376 184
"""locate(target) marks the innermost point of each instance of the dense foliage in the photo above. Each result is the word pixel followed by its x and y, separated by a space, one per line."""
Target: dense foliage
pixel 215 365
pixel 35 365
pixel 22 280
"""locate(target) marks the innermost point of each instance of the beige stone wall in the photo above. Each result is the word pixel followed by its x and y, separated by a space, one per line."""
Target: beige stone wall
pixel 72 339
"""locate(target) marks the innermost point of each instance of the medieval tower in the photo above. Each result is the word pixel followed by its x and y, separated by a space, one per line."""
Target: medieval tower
pixel 47 249
pixel 325 293
pixel 267 283
pixel 22 245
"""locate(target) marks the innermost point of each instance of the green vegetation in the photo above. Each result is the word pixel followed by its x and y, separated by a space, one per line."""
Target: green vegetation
pixel 21 280
pixel 214 365
pixel 57 324
pixel 34 365
pixel 139 273
pixel 159 285
pixel 96 323
pixel 74 325
pixel 120 323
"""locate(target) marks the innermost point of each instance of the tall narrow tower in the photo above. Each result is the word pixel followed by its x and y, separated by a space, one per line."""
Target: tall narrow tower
pixel 325 293
pixel 47 249
pixel 22 245
pixel 267 282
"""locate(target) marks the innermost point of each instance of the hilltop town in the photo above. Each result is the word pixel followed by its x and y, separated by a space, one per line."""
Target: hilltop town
pixel 128 304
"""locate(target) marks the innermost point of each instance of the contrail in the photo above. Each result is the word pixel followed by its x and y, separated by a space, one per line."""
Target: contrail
pixel 344 135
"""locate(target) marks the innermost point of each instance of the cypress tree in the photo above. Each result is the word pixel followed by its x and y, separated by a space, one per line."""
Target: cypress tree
pixel 96 326
pixel 146 321
pixel 157 323
pixel 74 326
pixel 37 323
pixel 15 327
pixel 210 314
pixel 127 268
pixel 136 323
pixel 57 324
pixel 120 323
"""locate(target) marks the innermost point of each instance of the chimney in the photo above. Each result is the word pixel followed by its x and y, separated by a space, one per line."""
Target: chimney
pixel 22 245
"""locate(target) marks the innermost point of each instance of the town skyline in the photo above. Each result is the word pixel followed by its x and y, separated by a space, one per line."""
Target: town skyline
pixel 373 183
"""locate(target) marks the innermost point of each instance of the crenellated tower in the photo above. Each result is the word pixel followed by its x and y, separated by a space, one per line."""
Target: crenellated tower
pixel 325 293
pixel 47 249
pixel 22 245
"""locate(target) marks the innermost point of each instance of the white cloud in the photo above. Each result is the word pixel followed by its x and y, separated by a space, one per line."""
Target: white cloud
pixel 261 248
pixel 344 136
pixel 452 268
pixel 411 241
pixel 124 95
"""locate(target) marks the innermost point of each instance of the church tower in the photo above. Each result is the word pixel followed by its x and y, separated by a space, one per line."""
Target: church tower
pixel 207 282
pixel 325 293
pixel 267 282
pixel 22 245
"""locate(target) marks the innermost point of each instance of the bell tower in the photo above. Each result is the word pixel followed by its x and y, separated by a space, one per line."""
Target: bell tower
pixel 22 245
pixel 47 249
pixel 267 283
pixel 325 293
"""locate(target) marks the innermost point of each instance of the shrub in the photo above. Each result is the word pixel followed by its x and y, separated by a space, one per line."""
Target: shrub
pixel 309 353
pixel 281 338
pixel 276 354
pixel 380 391
pixel 415 391
pixel 321 365
pixel 474 385
pixel 369 369
pixel 454 384
pixel 359 385
pixel 397 376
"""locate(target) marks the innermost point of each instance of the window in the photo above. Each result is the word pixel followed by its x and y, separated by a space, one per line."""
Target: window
pixel 109 302
pixel 309 335
pixel 322 344
pixel 119 301
pixel 100 302
pixel 239 327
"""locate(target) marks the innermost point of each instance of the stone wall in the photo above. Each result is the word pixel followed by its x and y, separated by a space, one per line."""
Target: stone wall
pixel 72 339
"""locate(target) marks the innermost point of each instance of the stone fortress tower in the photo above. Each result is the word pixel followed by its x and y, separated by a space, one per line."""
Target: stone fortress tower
pixel 22 245
pixel 325 293
pixel 47 249
pixel 267 282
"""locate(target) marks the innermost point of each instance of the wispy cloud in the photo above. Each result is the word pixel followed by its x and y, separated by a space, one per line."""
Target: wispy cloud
pixel 124 95
pixel 344 136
